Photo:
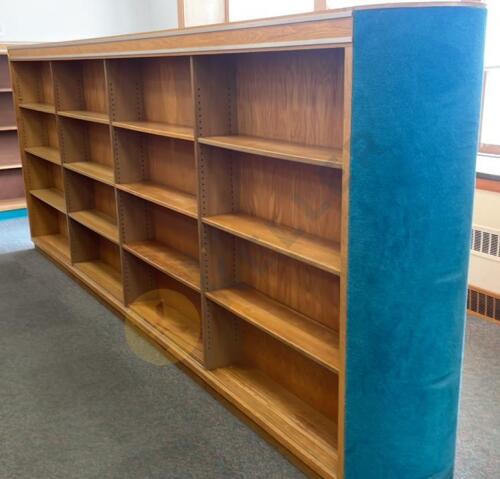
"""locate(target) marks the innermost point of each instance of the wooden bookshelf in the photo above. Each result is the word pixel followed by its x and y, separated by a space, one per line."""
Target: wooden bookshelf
pixel 190 202
pixel 11 178
pixel 199 184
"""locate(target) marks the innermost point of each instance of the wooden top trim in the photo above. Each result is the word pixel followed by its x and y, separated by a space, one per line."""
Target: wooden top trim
pixel 326 30
pixel 299 44
pixel 331 27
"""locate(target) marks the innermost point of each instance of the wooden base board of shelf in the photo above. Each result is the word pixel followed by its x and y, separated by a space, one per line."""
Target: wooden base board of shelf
pixel 12 204
pixel 164 196
pixel 315 155
pixel 177 265
pixel 302 450
pixel 314 340
pixel 10 166
pixel 98 222
pixel 45 153
pixel 315 251
pixel 157 128
pixel 43 107
pixel 55 245
pixel 181 329
pixel 104 275
pixel 8 128
pixel 94 170
pixel 52 196
pixel 93 116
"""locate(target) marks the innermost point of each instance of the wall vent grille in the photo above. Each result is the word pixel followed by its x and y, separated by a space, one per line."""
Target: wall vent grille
pixel 486 242
pixel 483 303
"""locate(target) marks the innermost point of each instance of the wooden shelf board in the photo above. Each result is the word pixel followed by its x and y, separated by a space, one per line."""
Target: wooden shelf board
pixel 104 275
pixel 317 342
pixel 48 153
pixel 316 155
pixel 56 244
pixel 97 222
pixel 158 128
pixel 11 166
pixel 43 107
pixel 164 196
pixel 171 322
pixel 93 116
pixel 301 246
pixel 297 425
pixel 52 196
pixel 13 204
pixel 94 170
pixel 177 265
pixel 8 128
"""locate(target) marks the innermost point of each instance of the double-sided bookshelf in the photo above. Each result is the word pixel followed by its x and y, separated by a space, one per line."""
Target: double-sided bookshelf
pixel 198 182
pixel 11 178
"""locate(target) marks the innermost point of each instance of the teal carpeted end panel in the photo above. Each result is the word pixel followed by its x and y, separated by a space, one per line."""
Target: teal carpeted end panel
pixel 416 102
pixel 11 214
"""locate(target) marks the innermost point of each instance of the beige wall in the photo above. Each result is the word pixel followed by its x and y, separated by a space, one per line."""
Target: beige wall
pixel 484 270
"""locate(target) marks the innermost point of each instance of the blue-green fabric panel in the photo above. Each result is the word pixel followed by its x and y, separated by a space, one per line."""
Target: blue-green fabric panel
pixel 417 79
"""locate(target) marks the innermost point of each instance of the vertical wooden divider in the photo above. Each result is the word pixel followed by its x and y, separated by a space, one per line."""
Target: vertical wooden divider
pixel 195 88
pixel 213 85
pixel 73 243
pixel 346 155
pixel 60 137
pixel 108 81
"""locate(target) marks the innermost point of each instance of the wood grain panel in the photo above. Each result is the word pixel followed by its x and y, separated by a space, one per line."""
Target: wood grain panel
pixel 306 289
pixel 84 141
pixel 155 91
pixel 227 39
pixel 34 85
pixel 85 193
pixel 4 71
pixel 7 114
pixel 141 157
pixel 12 184
pixel 143 220
pixel 9 148
pixel 39 129
pixel 282 95
pixel 310 382
pixel 303 197
pixel 81 86
pixel 318 343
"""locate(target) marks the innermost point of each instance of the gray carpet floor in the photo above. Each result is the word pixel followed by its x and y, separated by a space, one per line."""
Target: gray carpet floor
pixel 82 397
